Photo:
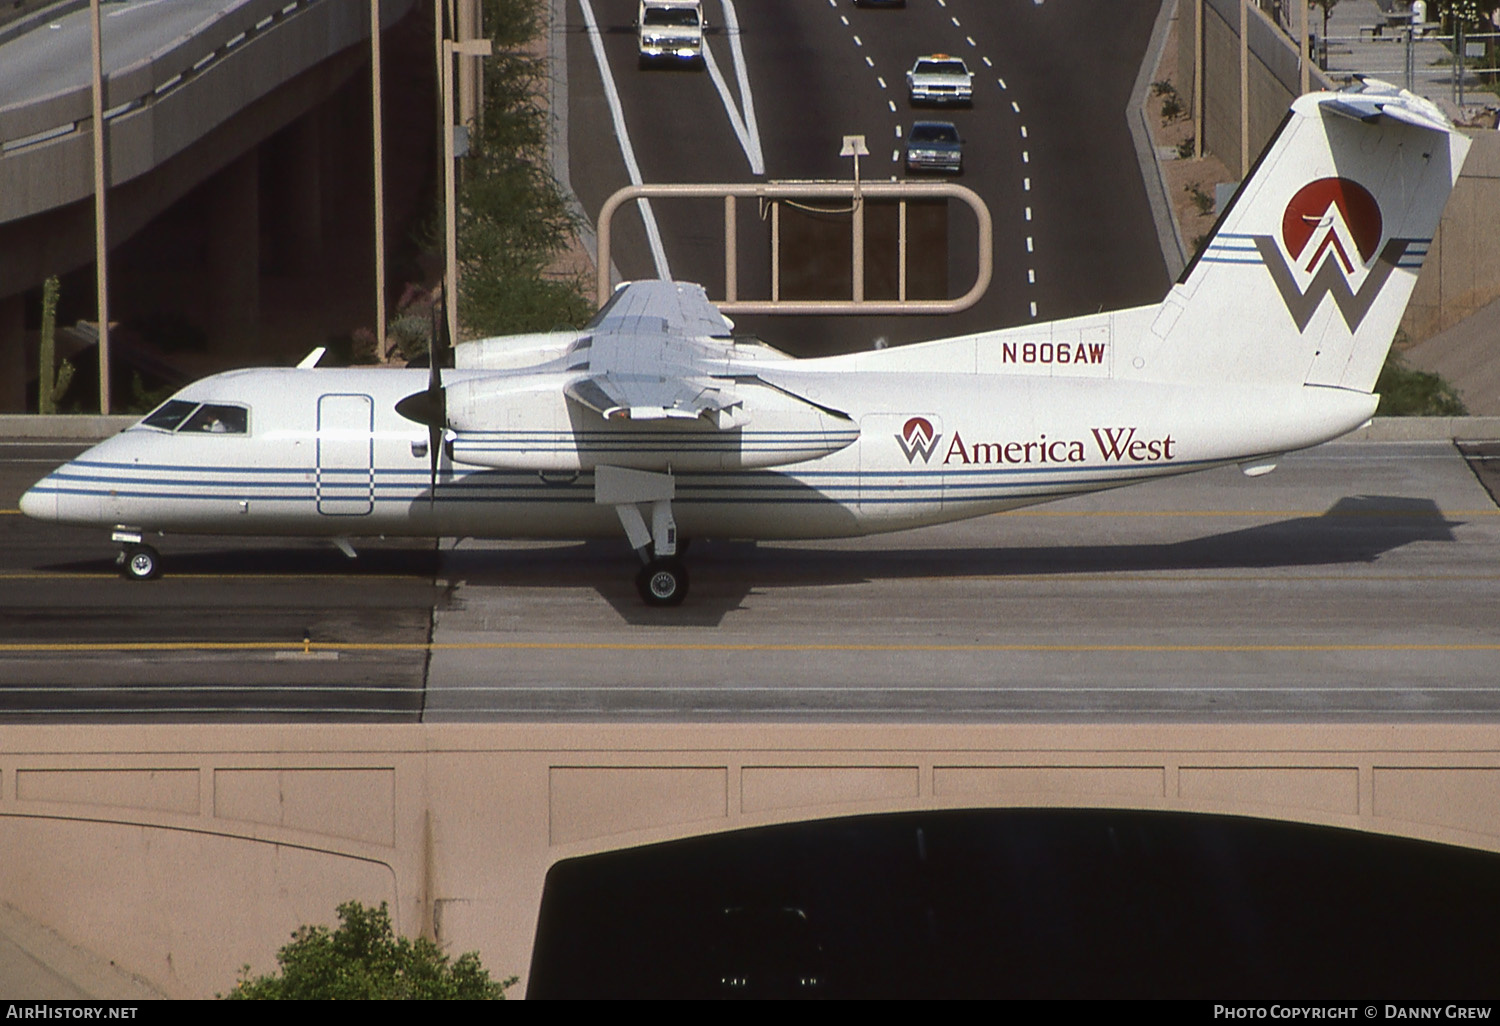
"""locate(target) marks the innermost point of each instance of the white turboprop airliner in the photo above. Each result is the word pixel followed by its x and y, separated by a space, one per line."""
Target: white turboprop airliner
pixel 656 419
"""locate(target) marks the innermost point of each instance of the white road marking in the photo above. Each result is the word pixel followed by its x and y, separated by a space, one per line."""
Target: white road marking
pixel 1033 309
pixel 1026 184
pixel 138 5
pixel 898 131
pixel 892 104
pixel 1015 106
pixel 971 40
pixel 1028 213
pixel 956 23
pixel 1023 132
pixel 990 64
pixel 746 130
pixel 843 17
pixel 1029 247
pixel 858 41
pixel 881 80
pixel 869 60
pixel 1026 156
pixel 617 113
pixel 1031 276
pixel 1002 83
pixel 895 156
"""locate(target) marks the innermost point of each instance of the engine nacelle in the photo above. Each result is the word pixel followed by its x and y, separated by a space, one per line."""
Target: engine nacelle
pixel 528 424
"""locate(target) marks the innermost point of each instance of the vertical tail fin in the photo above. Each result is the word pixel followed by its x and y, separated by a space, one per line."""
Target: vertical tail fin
pixel 1309 271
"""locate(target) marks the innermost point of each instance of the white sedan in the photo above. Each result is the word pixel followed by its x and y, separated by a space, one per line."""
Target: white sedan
pixel 938 78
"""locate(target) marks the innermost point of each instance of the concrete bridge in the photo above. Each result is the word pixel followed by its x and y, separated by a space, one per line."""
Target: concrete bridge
pixel 232 96
pixel 182 852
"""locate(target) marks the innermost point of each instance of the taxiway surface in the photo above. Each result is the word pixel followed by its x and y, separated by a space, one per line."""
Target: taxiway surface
pixel 1357 581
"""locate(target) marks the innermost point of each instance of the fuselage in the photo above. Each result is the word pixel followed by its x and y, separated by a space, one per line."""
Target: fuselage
pixel 323 452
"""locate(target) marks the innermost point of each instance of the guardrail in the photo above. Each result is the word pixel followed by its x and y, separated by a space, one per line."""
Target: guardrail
pixel 774 193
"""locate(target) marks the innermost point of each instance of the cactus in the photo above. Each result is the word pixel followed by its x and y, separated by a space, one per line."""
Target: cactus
pixel 46 387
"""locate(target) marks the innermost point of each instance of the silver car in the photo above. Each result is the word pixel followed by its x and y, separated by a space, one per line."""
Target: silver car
pixel 935 146
pixel 938 78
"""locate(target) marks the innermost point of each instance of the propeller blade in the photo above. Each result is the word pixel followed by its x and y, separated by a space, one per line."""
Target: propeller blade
pixel 437 401
pixel 430 406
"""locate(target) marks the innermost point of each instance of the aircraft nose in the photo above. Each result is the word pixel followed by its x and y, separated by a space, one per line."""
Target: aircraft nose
pixel 39 503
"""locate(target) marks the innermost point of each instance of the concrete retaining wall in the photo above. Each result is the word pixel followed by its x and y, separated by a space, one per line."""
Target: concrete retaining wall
pixel 181 853
pixel 1462 271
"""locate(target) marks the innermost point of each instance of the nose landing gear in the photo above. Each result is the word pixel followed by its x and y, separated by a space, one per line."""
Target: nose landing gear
pixel 137 560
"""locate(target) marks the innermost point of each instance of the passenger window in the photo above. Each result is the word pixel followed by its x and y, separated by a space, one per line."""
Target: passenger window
pixel 218 420
pixel 169 414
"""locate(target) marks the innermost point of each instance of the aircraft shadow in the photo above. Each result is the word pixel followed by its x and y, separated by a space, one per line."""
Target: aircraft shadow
pixel 1355 530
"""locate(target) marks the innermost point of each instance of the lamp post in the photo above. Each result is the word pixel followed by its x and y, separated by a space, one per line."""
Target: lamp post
pixel 378 161
pixel 854 146
pixel 101 250
pixel 447 48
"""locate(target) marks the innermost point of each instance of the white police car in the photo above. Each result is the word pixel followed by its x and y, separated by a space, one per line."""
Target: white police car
pixel 940 79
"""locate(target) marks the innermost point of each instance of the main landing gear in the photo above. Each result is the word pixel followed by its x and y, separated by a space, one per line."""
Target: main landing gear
pixel 636 494
pixel 137 560
pixel 662 582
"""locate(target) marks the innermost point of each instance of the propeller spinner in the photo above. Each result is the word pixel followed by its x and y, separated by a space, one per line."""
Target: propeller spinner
pixel 430 407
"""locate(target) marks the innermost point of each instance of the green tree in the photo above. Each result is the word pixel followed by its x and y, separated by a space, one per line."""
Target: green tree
pixel 513 218
pixel 1406 392
pixel 364 960
pixel 1327 6
pixel 1475 14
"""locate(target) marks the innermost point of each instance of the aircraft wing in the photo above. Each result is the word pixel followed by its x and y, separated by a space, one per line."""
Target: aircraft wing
pixel 670 307
pixel 652 354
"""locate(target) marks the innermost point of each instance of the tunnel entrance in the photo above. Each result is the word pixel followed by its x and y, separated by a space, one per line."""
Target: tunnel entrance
pixel 1023 904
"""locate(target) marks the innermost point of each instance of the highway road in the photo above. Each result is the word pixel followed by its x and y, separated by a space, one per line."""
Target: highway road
pixel 1048 146
pixel 56 57
pixel 1358 581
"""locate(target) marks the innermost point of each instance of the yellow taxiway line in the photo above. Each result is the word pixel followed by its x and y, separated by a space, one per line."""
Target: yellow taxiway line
pixel 637 646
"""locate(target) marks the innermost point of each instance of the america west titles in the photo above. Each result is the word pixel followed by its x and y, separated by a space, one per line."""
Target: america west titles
pixel 1112 445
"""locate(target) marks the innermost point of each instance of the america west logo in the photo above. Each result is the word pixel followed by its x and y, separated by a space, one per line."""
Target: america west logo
pixel 918 439
pixel 1331 229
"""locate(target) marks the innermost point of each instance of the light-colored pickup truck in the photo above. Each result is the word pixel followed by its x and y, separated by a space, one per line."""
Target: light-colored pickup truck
pixel 670 31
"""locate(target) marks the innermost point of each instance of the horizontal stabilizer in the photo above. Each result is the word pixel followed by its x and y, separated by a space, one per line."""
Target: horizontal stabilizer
pixel 1376 99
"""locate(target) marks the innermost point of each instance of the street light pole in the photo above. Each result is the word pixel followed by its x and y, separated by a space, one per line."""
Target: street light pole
pixel 854 146
pixel 101 250
pixel 450 184
pixel 379 162
pixel 447 48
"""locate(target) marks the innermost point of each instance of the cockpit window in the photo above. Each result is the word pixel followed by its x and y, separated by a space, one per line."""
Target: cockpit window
pixel 170 414
pixel 218 420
